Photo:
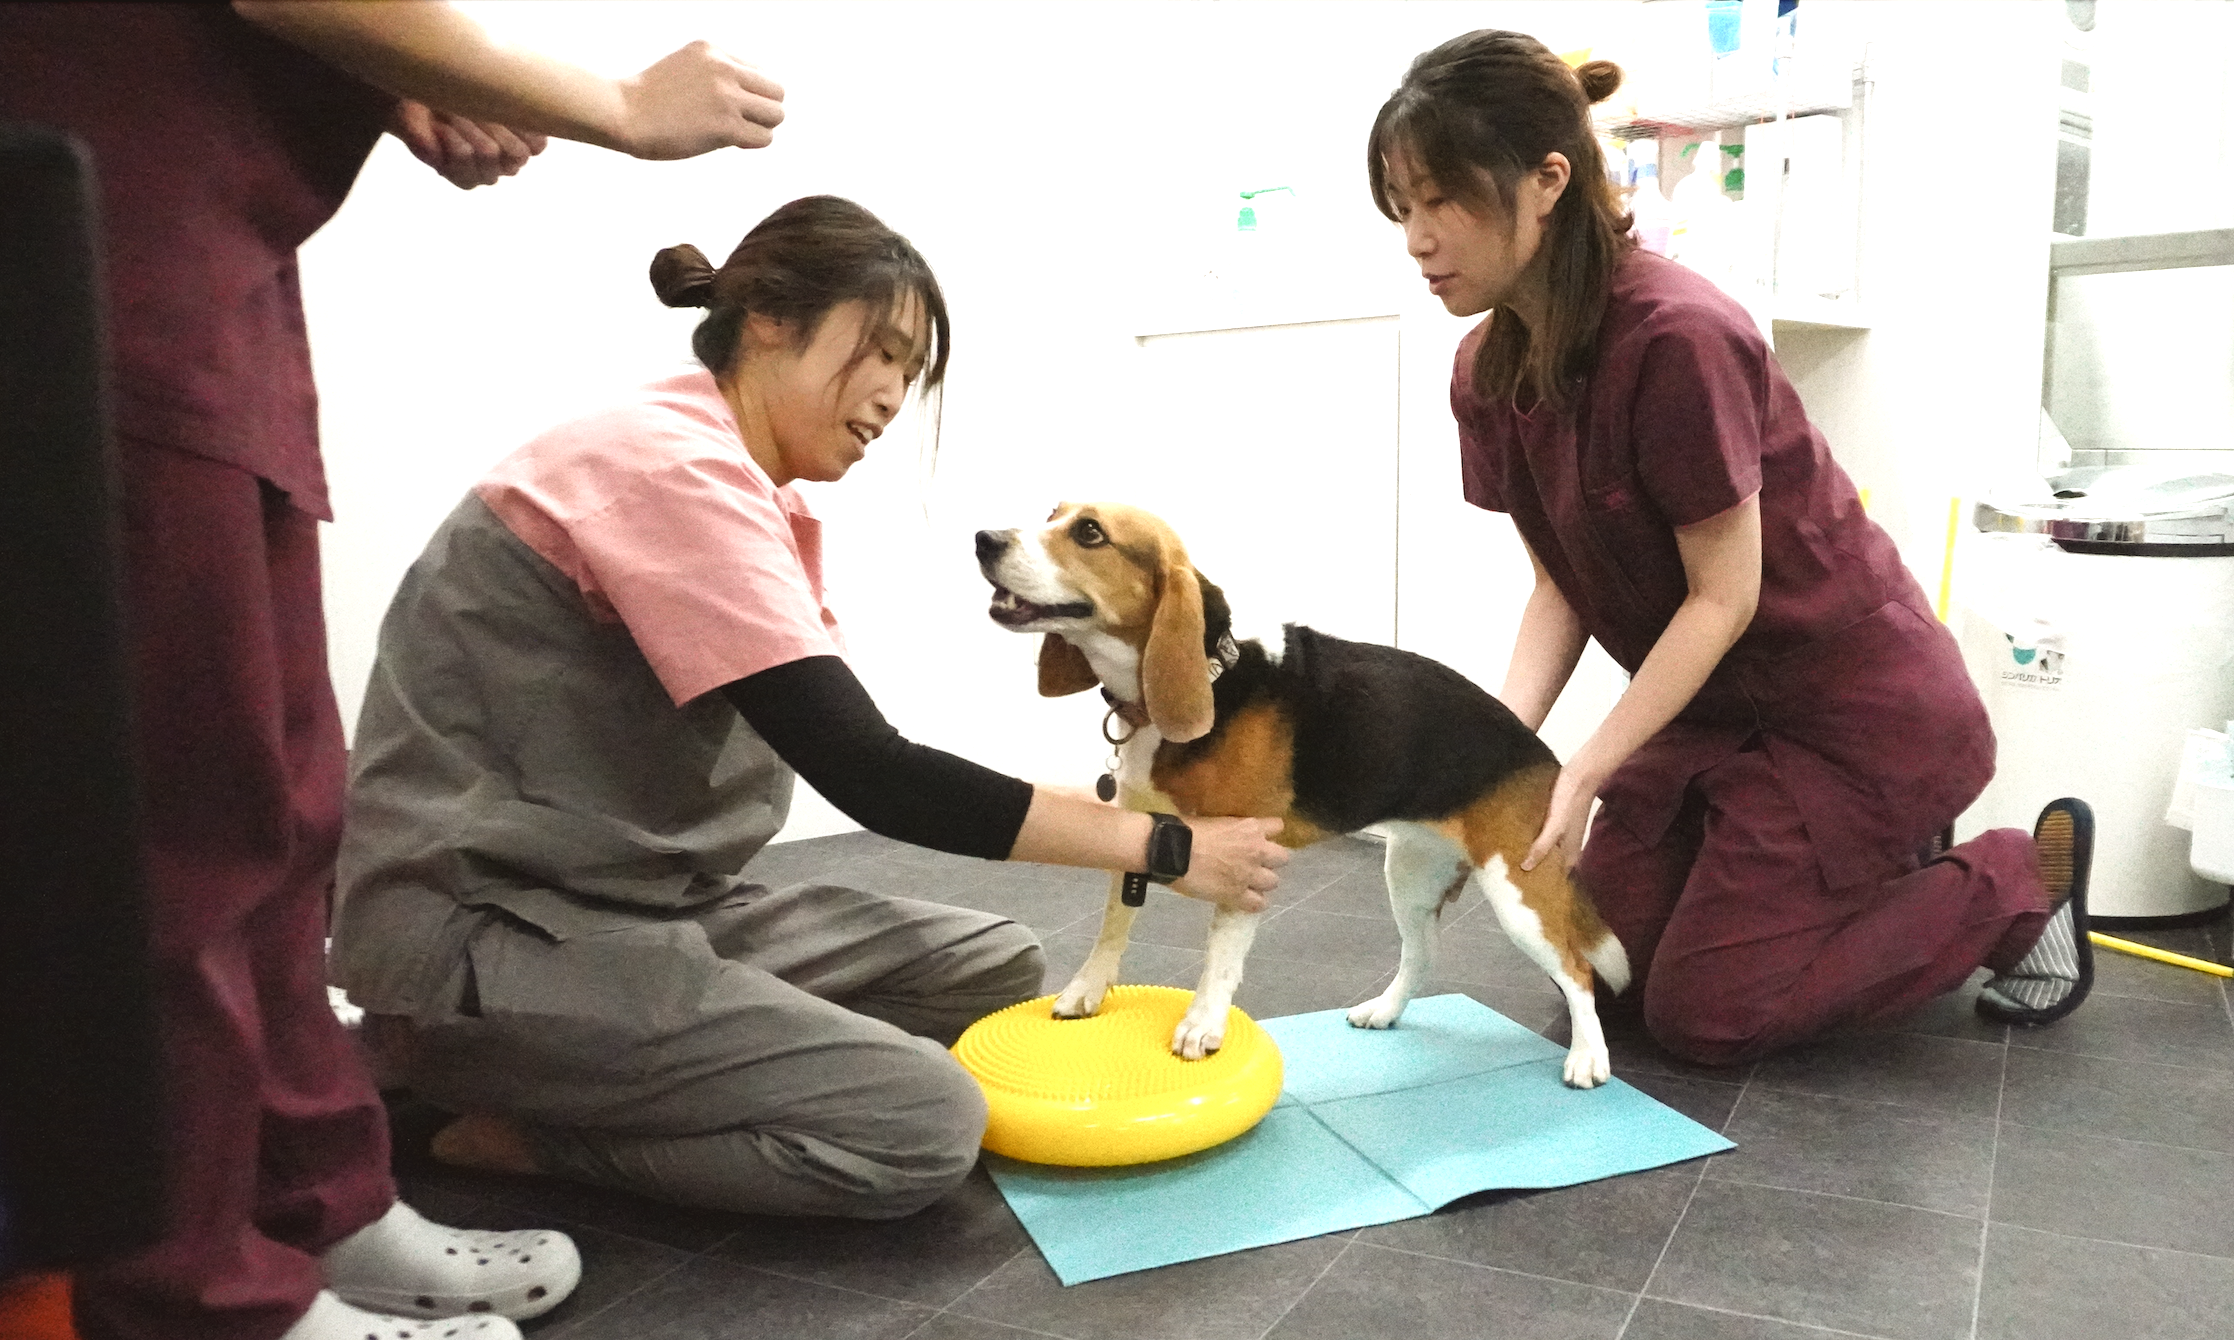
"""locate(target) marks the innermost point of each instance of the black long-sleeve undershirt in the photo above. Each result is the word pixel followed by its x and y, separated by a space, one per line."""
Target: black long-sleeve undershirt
pixel 822 722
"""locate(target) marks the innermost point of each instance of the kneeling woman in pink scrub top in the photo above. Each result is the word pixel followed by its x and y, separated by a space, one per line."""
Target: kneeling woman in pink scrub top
pixel 1798 726
pixel 591 695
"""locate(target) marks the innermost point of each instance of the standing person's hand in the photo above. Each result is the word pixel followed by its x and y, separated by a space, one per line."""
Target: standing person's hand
pixel 1234 862
pixel 466 152
pixel 696 100
pixel 1568 818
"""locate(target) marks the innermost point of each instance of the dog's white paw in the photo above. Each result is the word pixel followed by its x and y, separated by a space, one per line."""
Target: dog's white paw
pixel 1196 1037
pixel 1081 998
pixel 1379 1012
pixel 1588 1067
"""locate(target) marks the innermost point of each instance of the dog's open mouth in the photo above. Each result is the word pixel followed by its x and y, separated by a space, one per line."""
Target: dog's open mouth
pixel 1014 611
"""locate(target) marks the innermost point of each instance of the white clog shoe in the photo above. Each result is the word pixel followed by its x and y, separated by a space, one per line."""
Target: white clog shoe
pixel 408 1266
pixel 331 1319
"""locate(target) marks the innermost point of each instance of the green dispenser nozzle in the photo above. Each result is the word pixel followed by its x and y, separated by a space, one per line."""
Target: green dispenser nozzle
pixel 1246 220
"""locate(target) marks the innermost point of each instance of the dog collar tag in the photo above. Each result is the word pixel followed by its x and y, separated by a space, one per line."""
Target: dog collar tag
pixel 1105 786
pixel 1228 652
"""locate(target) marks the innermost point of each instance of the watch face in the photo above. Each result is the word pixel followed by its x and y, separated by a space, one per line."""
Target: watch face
pixel 1170 848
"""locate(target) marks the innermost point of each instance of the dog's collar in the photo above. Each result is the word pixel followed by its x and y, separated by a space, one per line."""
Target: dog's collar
pixel 1135 715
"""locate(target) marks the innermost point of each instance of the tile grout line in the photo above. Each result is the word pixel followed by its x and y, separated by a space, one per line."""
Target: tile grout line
pixel 1499 1270
pixel 2120 1060
pixel 1939 1113
pixel 948 1309
pixel 825 1284
pixel 2087 1134
pixel 1684 1213
pixel 1838 1195
pixel 2115 1242
pixel 2134 1060
pixel 866 1293
pixel 1000 1325
pixel 582 1322
pixel 920 1325
pixel 1993 1170
pixel 1780 1321
pixel 1305 1292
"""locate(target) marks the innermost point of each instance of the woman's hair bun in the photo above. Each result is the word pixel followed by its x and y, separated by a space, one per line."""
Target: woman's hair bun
pixel 1599 79
pixel 682 277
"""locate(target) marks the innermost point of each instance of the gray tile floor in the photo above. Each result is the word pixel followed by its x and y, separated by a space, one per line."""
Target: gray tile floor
pixel 1935 1178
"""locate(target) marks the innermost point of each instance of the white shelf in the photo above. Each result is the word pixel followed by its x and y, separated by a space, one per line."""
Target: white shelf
pixel 1212 318
pixel 1256 296
pixel 1818 313
pixel 1795 97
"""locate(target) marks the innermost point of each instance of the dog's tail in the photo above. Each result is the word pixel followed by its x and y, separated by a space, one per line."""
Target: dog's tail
pixel 1611 961
pixel 1599 944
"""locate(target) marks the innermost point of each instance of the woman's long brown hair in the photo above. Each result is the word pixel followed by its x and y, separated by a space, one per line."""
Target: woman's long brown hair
pixel 1474 116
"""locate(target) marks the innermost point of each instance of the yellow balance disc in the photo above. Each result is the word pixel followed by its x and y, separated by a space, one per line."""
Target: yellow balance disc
pixel 1106 1090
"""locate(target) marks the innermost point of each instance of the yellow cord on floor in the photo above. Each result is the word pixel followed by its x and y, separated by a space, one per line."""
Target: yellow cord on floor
pixel 2160 955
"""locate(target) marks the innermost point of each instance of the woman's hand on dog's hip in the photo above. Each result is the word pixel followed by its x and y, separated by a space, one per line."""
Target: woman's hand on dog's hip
pixel 1235 862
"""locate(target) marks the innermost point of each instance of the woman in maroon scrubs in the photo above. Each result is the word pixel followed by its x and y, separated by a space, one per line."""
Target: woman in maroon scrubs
pixel 220 143
pixel 1797 726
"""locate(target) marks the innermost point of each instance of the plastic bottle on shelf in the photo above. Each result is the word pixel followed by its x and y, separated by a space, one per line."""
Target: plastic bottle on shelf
pixel 1732 166
pixel 1742 35
pixel 1699 234
pixel 1617 173
pixel 1655 217
pixel 1785 63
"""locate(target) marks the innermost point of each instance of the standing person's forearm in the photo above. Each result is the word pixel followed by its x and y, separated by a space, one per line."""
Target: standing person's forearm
pixel 691 101
pixel 1694 643
pixel 438 55
pixel 1722 565
pixel 1545 652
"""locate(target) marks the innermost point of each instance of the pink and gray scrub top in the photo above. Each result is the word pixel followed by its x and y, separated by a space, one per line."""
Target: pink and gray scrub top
pixel 540 734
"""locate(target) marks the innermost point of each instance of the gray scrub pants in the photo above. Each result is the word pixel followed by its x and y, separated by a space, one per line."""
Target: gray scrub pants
pixel 783 1053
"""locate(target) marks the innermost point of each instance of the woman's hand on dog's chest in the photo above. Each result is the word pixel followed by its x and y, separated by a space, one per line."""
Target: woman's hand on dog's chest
pixel 1235 863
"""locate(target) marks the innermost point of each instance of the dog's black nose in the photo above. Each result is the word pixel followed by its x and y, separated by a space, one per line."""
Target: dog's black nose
pixel 990 543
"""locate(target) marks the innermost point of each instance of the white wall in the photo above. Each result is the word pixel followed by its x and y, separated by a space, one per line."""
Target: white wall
pixel 1058 164
pixel 2163 101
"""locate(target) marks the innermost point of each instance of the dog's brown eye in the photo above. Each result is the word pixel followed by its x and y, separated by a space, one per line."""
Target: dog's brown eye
pixel 1088 534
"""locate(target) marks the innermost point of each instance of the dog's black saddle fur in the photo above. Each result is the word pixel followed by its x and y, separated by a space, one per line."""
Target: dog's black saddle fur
pixel 1380 733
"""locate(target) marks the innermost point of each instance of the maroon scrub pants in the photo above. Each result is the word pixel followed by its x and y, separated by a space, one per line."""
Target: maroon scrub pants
pixel 278 1143
pixel 1741 947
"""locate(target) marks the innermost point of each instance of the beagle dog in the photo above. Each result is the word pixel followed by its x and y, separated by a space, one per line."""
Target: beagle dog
pixel 1328 735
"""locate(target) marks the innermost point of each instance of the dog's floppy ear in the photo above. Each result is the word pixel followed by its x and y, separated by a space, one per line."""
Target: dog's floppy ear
pixel 1063 668
pixel 1174 674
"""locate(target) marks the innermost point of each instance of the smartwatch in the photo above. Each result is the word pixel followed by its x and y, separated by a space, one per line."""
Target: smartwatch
pixel 1171 846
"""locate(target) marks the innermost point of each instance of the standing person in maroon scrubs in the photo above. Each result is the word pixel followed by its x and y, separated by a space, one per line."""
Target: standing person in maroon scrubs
pixel 220 143
pixel 1798 726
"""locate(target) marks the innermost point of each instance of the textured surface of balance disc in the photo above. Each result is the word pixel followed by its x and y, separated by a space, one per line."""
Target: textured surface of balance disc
pixel 1106 1090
